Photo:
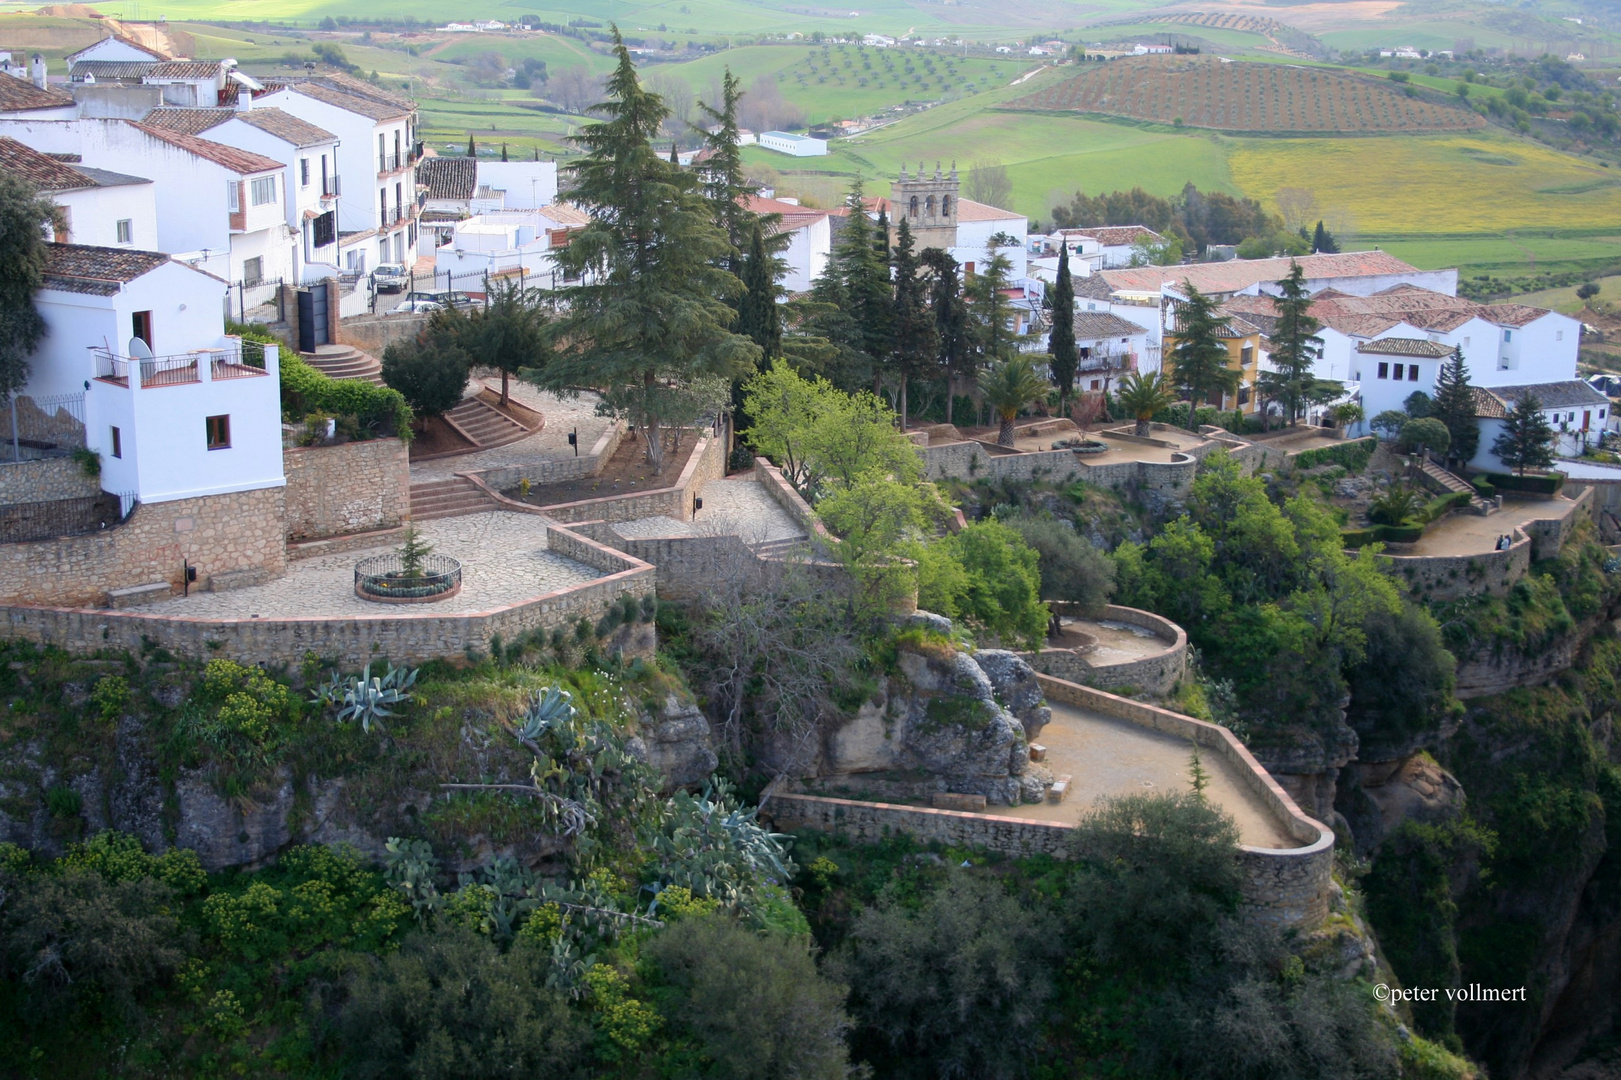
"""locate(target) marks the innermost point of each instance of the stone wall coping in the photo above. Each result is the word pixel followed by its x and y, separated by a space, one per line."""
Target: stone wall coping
pixel 314 450
pixel 1163 628
pixel 331 545
pixel 921 811
pixel 694 458
pixel 783 494
pixel 1520 540
pixel 1313 834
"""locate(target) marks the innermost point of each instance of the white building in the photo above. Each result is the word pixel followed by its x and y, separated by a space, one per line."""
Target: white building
pixel 517 244
pixel 171 403
pixel 518 185
pixel 115 48
pixel 98 207
pixel 810 240
pixel 1577 413
pixel 377 152
pixel 1358 273
pixel 1109 346
pixel 1117 244
pixel 793 145
pixel 309 156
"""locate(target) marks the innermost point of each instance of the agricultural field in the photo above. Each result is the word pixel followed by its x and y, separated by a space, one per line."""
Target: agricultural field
pixel 1206 92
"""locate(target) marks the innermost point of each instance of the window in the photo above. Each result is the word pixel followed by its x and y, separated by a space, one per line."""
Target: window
pixel 126 231
pixel 912 206
pixel 233 195
pixel 118 444
pixel 303 172
pixel 263 191
pixel 967 269
pixel 326 229
pixel 928 206
pixel 382 154
pixel 219 432
pixel 253 271
pixel 1508 336
pixel 141 326
pixel 1412 373
pixel 326 187
pixel 945 206
pixel 1559 335
pixel 1384 370
pixel 1601 414
pixel 1097 384
pixel 1466 341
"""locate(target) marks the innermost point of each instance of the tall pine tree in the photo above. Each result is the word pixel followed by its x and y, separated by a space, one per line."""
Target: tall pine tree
pixel 1454 405
pixel 1061 342
pixel 854 295
pixel 955 356
pixel 652 315
pixel 916 342
pixel 1200 363
pixel 725 183
pixel 1291 382
pixel 1527 438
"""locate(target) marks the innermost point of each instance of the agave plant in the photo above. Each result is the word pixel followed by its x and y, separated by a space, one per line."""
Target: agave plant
pixel 367 697
pixel 547 707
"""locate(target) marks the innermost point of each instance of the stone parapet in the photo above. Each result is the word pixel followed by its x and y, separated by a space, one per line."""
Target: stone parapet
pixel 44 480
pixel 1155 674
pixel 560 470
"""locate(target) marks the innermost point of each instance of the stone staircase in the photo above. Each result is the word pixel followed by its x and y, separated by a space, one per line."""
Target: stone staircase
pixel 483 425
pixel 432 499
pixel 345 362
pixel 792 547
pixel 1454 483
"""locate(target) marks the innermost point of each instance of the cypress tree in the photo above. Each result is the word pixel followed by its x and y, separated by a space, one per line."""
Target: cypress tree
pixel 1323 241
pixel 757 314
pixel 654 312
pixel 503 151
pixel 472 148
pixel 1454 405
pixel 916 341
pixel 950 320
pixel 1061 342
pixel 855 294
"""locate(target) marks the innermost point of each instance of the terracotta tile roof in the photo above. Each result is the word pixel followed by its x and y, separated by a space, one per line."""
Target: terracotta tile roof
pixel 111 70
pixel 1094 325
pixel 1565 394
pixel 18 95
pixel 100 271
pixel 448 177
pixel 1091 286
pixel 1422 348
pixel 1514 314
pixel 969 210
pixel 343 93
pixel 361 88
pixel 286 127
pixel 238 161
pixel 1239 274
pixel 1116 235
pixel 45 173
pixel 1487 407
pixel 186 69
pixel 187 121
pixel 792 216
pixel 566 214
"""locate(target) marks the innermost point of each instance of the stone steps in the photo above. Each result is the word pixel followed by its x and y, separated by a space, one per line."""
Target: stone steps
pixel 1448 480
pixel 448 498
pixel 483 425
pixel 782 549
pixel 345 362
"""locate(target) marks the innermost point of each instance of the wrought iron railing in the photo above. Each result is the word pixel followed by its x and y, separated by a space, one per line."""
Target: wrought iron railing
pixel 234 361
pixel 23 522
pixel 386 577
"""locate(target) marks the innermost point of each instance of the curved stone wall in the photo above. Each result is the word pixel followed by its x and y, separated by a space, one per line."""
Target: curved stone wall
pixel 1155 674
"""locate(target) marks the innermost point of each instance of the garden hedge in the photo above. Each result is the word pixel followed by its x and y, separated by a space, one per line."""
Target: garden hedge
pixel 1437 508
pixel 1354 456
pixel 305 390
pixel 1535 483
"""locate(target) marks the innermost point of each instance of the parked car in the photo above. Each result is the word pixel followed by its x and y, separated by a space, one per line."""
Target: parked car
pixel 418 302
pixel 390 277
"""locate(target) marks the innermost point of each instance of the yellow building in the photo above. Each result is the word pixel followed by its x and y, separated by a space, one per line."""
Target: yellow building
pixel 1243 341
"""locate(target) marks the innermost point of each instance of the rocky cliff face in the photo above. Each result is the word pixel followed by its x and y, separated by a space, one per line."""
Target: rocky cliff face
pixel 946 721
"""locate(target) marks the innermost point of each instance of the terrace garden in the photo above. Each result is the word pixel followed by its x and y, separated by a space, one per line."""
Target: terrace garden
pixel 1208 92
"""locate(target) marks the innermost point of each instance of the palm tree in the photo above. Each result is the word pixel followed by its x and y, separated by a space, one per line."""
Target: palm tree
pixel 1008 387
pixel 1144 395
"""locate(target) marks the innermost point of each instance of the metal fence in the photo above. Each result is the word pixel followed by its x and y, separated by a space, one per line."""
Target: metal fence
pixel 48 426
pixel 22 522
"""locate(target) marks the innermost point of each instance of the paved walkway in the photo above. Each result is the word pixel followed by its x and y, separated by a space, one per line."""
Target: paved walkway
pixel 548 444
pixel 1105 756
pixel 731 508
pixel 1470 534
pixel 504 561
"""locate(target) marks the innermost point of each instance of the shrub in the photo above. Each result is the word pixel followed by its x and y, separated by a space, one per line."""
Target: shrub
pixel 1438 507
pixel 1535 483
pixel 305 390
pixel 1485 487
pixel 1003 584
pixel 1353 456
pixel 431 377
pixel 754 1003
pixel 1071 568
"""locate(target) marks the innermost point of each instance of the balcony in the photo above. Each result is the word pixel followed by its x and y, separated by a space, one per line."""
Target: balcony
pixel 387 163
pixel 151 372
pixel 331 188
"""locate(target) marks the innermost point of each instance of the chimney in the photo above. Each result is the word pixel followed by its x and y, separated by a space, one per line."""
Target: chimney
pixel 38 71
pixel 244 100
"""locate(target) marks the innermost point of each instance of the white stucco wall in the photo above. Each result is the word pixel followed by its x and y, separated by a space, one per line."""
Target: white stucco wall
pixel 94 214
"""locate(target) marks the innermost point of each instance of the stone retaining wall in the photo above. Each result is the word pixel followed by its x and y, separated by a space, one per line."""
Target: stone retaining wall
pixel 1156 674
pixel 356 487
pixel 350 641
pixel 690 566
pixel 971 460
pixel 44 480
pixel 218 534
pixel 1548 535
pixel 371 334
pixel 1605 505
pixel 706 461
pixel 783 494
pixel 561 470
pixel 1445 577
pixel 1285 887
